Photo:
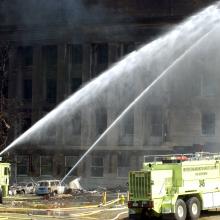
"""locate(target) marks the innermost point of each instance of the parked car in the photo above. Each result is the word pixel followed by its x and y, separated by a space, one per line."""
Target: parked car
pixel 24 187
pixel 51 187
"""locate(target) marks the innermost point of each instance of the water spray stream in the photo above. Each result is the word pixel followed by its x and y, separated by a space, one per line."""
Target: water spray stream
pixel 152 58
pixel 141 95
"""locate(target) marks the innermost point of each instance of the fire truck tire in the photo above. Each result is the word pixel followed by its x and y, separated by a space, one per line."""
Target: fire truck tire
pixel 193 208
pixel 1 195
pixel 180 210
pixel 134 217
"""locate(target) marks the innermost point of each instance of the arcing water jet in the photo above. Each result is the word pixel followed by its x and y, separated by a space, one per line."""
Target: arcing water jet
pixel 154 57
pixel 138 98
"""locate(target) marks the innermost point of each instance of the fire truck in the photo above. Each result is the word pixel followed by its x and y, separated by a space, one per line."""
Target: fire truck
pixel 4 179
pixel 178 186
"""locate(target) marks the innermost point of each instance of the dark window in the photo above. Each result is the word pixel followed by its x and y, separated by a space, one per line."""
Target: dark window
pixel 27 89
pixel 26 124
pixel 97 166
pixel 51 90
pixel 22 164
pixel 75 84
pixel 76 124
pixel 46 165
pixel 129 123
pixel 123 164
pixel 127 130
pixel 102 53
pixel 49 135
pixel 209 85
pixel 123 159
pixel 5 88
pixel 26 55
pixel 101 120
pixel 156 123
pixel 50 55
pixel 76 54
pixel 128 48
pixel 208 123
pixel 99 58
pixel 70 161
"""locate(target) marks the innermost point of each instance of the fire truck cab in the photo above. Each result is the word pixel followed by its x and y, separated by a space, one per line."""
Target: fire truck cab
pixel 4 179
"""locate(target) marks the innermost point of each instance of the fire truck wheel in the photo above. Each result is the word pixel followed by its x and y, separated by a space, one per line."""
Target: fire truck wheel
pixel 193 208
pixel 180 210
pixel 134 217
pixel 1 195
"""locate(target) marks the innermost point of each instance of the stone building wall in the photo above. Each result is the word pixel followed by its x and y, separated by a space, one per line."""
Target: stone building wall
pixel 41 65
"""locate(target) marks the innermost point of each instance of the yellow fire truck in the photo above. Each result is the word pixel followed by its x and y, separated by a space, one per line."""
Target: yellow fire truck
pixel 4 179
pixel 180 186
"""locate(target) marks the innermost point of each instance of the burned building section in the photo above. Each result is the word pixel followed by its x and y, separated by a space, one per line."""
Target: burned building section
pixel 53 55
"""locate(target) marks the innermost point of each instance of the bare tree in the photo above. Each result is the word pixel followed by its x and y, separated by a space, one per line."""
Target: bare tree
pixel 4 125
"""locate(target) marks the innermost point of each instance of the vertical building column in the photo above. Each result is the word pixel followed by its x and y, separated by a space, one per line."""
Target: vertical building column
pixel 166 109
pixel 112 137
pixel 12 90
pixel 86 71
pixel 12 74
pixel 140 113
pixel 133 162
pixel 86 129
pixel 141 119
pixel 62 88
pixel 36 164
pixel 112 164
pixel 62 73
pixel 19 78
pixel 19 90
pixel 58 164
pixel 138 125
pixel 37 84
pixel 87 164
pixel 106 163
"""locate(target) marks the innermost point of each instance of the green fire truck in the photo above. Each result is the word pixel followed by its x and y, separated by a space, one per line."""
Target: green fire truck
pixel 4 179
pixel 178 186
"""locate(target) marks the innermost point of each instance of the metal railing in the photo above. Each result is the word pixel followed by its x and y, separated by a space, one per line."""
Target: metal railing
pixel 191 156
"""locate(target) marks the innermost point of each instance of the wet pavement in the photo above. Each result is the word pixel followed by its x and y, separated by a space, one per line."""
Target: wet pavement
pixel 94 214
pixel 64 207
pixel 84 214
pixel 30 207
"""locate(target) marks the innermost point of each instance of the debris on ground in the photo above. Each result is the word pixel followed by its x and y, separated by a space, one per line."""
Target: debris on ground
pixel 75 184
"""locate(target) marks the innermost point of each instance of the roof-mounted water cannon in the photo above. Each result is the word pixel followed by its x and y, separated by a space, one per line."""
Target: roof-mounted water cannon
pixel 168 158
pixel 175 159
pixel 179 158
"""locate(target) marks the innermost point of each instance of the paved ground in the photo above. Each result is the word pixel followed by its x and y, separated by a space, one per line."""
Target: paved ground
pixel 74 216
pixel 211 215
pixel 30 207
pixel 83 214
pixel 84 206
pixel 16 216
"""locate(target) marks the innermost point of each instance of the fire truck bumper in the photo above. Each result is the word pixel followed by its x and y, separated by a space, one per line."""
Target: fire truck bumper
pixel 141 204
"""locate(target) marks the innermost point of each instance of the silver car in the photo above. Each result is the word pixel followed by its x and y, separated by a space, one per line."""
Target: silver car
pixel 25 187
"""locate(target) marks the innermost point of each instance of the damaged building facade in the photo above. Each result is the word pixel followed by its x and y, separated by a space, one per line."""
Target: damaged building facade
pixel 51 56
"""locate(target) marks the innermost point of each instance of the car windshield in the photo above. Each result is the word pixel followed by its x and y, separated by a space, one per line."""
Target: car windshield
pixel 43 184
